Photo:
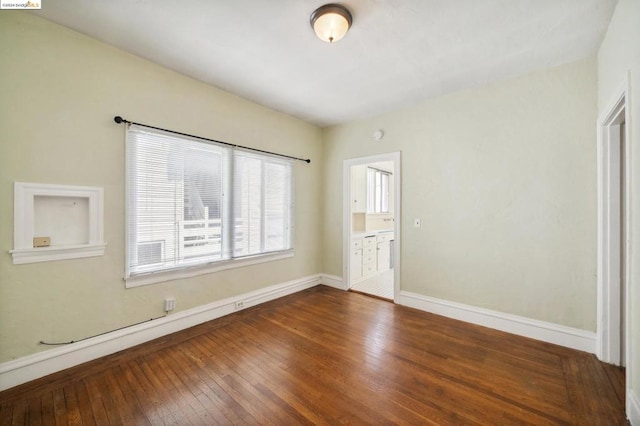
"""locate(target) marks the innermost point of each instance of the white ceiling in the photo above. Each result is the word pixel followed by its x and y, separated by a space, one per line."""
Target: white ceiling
pixel 397 53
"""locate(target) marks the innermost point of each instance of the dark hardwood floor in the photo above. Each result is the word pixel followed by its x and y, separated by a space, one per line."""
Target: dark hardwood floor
pixel 323 356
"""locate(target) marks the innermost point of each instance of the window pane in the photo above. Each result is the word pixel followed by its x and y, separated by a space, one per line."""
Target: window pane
pixel 175 189
pixel 201 227
pixel 378 204
pixel 371 190
pixel 377 190
pixel 277 202
pixel 247 198
pixel 262 204
pixel 384 201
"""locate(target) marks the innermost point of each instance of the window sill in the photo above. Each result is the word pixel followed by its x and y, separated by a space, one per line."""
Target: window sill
pixel 48 254
pixel 194 271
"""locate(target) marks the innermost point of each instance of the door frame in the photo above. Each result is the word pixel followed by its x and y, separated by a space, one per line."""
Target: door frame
pixel 610 246
pixel 394 157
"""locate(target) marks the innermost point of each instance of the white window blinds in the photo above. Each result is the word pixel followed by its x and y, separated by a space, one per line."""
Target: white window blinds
pixel 191 203
pixel 262 200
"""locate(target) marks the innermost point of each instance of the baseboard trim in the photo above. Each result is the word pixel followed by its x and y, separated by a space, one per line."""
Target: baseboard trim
pixel 332 281
pixel 634 409
pixel 31 367
pixel 547 332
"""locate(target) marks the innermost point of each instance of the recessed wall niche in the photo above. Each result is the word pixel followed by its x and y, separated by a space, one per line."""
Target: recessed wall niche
pixel 68 218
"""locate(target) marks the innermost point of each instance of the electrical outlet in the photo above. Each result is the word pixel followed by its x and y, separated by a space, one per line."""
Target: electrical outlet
pixel 169 304
pixel 239 304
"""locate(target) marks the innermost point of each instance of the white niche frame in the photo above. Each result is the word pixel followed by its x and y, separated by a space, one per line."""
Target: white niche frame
pixel 23 211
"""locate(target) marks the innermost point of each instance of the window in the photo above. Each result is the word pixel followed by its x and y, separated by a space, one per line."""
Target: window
pixel 192 203
pixel 377 190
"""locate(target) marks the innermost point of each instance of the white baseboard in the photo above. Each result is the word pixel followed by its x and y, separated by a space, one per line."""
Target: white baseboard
pixel 332 281
pixel 634 408
pixel 30 367
pixel 547 332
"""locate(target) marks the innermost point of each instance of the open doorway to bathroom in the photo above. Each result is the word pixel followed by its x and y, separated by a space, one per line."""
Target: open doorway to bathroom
pixel 371 225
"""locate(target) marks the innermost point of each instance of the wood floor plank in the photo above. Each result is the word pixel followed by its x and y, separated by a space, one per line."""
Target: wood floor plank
pixel 48 411
pixel 19 414
pixel 98 409
pixel 154 401
pixel 60 407
pixel 248 380
pixel 6 413
pixel 71 403
pixel 117 382
pixel 84 404
pixel 107 399
pixel 134 390
pixel 327 357
pixel 616 377
pixel 192 362
pixel 236 387
pixel 200 388
pixel 34 412
pixel 182 409
pixel 175 405
pixel 197 411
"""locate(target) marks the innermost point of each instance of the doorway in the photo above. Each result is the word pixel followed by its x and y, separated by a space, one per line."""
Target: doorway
pixel 614 186
pixel 371 225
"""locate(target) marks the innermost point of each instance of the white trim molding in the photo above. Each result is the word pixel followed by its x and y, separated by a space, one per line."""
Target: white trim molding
pixel 209 268
pixel 633 410
pixel 23 213
pixel 332 281
pixel 547 332
pixel 46 254
pixel 31 367
pixel 396 158
pixel 614 216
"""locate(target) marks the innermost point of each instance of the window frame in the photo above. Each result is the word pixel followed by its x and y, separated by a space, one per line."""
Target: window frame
pixel 200 266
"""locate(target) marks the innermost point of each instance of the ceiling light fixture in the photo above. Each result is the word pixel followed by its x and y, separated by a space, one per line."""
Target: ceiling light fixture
pixel 331 22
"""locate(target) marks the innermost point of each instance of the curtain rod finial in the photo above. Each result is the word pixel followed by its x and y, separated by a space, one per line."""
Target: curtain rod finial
pixel 118 119
pixel 308 160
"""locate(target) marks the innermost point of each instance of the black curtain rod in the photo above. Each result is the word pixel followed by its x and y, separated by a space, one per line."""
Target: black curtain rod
pixel 119 120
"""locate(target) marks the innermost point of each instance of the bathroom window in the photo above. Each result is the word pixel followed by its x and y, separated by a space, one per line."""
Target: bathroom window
pixel 377 190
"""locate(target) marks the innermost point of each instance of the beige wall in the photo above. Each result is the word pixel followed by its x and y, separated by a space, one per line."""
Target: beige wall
pixel 504 180
pixel 59 92
pixel 620 54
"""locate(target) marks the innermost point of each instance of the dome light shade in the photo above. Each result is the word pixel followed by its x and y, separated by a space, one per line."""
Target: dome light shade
pixel 331 22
